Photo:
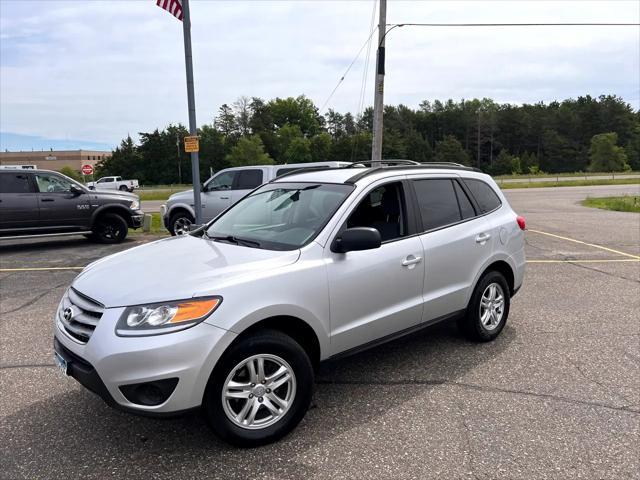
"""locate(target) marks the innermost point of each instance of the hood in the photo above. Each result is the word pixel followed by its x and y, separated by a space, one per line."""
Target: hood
pixel 114 195
pixel 186 195
pixel 173 269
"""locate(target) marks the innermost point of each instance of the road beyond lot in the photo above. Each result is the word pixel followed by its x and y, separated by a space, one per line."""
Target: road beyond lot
pixel 557 395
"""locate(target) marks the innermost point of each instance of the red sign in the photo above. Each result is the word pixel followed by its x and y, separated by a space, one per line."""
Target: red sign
pixel 87 170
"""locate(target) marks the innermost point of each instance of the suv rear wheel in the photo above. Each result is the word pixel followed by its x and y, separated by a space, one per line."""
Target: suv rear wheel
pixel 109 228
pixel 260 390
pixel 488 309
pixel 180 222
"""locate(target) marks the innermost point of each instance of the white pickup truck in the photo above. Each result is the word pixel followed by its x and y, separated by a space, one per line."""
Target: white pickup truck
pixel 113 183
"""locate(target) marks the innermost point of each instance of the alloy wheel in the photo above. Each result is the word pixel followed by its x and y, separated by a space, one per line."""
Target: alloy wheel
pixel 492 306
pixel 181 226
pixel 259 391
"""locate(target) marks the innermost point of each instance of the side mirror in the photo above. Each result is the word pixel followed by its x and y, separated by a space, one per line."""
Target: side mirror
pixel 357 238
pixel 75 190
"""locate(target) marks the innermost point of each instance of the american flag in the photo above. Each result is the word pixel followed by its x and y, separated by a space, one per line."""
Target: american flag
pixel 174 7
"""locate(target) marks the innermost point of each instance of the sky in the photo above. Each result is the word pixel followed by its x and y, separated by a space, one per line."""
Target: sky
pixel 84 74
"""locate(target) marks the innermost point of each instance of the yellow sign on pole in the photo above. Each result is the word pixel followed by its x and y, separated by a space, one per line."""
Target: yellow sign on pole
pixel 191 144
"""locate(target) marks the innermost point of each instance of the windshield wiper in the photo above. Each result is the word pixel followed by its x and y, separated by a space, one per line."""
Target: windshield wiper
pixel 237 240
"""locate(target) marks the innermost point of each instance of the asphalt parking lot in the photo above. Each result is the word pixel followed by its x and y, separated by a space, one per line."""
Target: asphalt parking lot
pixel 557 395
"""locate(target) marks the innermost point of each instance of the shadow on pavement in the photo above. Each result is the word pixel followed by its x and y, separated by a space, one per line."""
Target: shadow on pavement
pixel 76 435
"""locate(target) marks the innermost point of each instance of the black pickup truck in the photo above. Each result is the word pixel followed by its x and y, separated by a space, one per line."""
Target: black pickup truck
pixel 42 202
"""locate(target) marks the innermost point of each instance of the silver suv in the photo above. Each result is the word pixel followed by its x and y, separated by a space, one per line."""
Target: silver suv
pixel 236 316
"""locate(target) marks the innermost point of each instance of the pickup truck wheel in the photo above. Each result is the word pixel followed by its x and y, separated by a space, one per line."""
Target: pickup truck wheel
pixel 488 308
pixel 123 188
pixel 260 390
pixel 110 228
pixel 179 223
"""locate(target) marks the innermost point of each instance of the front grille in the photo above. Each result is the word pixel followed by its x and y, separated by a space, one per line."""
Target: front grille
pixel 82 315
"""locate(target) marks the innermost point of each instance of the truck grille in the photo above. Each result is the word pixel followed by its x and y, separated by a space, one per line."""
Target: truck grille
pixel 79 315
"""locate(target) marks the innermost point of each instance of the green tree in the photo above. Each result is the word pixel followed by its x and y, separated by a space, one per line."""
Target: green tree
pixel 125 161
pixel 320 147
pixel 449 149
pixel 248 151
pixel 298 151
pixel 71 173
pixel 605 155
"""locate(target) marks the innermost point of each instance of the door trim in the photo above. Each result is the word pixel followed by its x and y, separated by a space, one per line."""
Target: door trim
pixel 395 335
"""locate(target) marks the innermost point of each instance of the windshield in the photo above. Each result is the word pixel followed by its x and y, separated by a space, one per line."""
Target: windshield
pixel 279 216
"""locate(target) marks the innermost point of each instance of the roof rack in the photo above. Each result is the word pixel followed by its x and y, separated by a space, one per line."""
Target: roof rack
pixel 414 165
pixel 386 165
pixel 385 162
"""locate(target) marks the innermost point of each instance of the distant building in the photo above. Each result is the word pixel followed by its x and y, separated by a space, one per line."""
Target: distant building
pixel 54 160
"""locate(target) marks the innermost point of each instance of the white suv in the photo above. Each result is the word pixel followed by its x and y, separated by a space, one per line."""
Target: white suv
pixel 236 316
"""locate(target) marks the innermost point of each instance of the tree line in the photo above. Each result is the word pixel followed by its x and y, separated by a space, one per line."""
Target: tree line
pixel 575 135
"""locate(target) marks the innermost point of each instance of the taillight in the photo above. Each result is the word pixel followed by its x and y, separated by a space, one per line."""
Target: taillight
pixel 521 223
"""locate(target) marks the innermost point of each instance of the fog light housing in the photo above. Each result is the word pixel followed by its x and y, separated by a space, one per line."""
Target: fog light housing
pixel 149 393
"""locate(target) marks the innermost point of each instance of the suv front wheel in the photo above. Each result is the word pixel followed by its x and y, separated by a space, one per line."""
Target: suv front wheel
pixel 488 308
pixel 260 390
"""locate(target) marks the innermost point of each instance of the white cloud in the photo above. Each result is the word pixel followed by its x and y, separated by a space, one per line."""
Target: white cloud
pixel 99 70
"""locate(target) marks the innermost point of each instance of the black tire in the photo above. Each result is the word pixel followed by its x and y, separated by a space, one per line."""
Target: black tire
pixel 179 215
pixel 471 324
pixel 123 188
pixel 269 342
pixel 92 188
pixel 109 228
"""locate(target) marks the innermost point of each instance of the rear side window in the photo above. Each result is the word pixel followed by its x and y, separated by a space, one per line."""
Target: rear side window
pixel 465 204
pixel 437 202
pixel 248 179
pixel 484 194
pixel 14 183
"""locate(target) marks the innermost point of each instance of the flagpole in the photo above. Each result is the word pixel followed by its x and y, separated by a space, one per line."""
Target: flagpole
pixel 193 130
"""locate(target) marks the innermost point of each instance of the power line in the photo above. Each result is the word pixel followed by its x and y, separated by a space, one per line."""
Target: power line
pixel 347 70
pixel 551 24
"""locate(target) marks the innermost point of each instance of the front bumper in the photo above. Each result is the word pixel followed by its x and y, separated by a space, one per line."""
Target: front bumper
pixel 107 362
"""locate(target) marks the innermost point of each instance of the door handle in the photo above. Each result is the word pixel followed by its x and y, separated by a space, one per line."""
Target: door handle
pixel 224 198
pixel 46 199
pixel 483 237
pixel 411 260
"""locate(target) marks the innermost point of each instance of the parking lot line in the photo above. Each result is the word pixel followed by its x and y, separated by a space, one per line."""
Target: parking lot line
pixel 600 260
pixel 38 269
pixel 585 243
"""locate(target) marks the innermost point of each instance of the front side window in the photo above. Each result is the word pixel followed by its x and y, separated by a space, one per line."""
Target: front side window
pixel 279 216
pixel 248 179
pixel 14 183
pixel 49 183
pixel 487 199
pixel 382 209
pixel 223 181
pixel 437 202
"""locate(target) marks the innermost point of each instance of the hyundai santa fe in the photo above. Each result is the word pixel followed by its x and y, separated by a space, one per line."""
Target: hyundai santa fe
pixel 234 317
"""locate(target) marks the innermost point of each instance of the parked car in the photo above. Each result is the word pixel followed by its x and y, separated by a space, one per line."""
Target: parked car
pixel 113 183
pixel 236 316
pixel 41 202
pixel 223 190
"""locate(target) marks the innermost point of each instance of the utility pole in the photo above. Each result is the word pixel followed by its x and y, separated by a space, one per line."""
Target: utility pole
pixel 179 167
pixel 195 163
pixel 378 103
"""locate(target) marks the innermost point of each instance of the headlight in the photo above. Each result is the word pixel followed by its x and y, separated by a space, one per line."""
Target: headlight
pixel 165 317
pixel 135 205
